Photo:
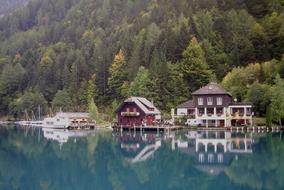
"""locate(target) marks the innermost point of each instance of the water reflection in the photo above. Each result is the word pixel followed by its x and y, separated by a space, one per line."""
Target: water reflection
pixel 211 150
pixel 62 136
pixel 105 160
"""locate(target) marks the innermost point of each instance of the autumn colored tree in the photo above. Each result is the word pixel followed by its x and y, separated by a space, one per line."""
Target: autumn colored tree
pixel 118 76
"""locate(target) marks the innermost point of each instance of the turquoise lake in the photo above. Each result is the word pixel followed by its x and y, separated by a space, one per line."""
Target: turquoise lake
pixel 34 159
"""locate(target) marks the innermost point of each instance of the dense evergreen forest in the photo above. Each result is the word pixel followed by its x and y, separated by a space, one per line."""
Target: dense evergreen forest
pixel 8 6
pixel 67 53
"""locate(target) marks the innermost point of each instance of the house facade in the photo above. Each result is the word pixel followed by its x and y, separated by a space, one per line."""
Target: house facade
pixel 137 111
pixel 186 108
pixel 215 107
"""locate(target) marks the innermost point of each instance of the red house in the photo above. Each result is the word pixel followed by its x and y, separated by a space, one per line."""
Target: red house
pixel 137 111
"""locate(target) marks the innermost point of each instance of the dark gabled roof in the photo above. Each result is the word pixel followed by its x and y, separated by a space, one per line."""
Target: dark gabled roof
pixel 211 88
pixel 187 104
pixel 143 104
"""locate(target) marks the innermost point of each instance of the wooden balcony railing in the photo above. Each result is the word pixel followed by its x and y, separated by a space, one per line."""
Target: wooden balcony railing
pixel 209 114
pixel 236 114
pixel 130 113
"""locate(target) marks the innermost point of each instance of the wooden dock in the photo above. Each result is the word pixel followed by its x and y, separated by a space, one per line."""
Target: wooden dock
pixel 165 128
pixel 168 128
pixel 238 129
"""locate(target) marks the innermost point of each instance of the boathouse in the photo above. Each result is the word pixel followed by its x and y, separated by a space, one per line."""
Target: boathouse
pixel 137 111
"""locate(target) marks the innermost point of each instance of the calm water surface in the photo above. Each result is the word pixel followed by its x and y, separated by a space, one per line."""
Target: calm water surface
pixel 32 159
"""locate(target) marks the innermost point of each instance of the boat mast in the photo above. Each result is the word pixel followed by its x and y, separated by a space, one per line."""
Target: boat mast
pixel 38 112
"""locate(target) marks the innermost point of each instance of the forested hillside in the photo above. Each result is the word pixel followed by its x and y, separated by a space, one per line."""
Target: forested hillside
pixel 64 53
pixel 8 6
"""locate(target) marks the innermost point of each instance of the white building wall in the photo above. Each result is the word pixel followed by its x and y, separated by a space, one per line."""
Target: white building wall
pixel 181 111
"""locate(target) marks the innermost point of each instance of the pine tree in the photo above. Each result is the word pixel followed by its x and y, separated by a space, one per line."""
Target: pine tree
pixel 194 67
pixel 93 111
pixel 92 92
pixel 62 101
pixel 118 76
pixel 142 85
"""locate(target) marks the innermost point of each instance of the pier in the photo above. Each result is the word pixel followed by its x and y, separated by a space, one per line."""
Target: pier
pixel 168 128
pixel 164 128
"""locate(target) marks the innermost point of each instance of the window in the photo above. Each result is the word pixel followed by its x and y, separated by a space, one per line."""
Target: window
pixel 200 111
pixel 219 101
pixel 134 110
pixel 127 109
pixel 219 111
pixel 210 101
pixel 200 101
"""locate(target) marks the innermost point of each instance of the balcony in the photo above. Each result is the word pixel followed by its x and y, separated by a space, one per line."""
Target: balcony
pixel 237 114
pixel 130 114
pixel 219 114
pixel 209 114
pixel 241 115
pixel 200 114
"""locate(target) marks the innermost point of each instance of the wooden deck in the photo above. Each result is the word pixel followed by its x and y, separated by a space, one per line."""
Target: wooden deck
pixel 238 129
pixel 148 128
pixel 177 127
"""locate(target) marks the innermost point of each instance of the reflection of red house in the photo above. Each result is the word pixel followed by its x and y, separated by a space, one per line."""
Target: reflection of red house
pixel 137 111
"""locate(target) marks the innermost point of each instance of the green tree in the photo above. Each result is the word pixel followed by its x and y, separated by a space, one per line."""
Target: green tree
pixel 259 95
pixel 30 101
pixel 277 100
pixel 268 116
pixel 141 85
pixel 62 101
pixel 91 95
pixel 194 66
pixel 12 79
pixel 238 80
pixel 92 91
pixel 93 112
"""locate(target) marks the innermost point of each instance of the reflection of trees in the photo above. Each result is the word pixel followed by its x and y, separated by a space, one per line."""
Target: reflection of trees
pixel 97 162
pixel 262 170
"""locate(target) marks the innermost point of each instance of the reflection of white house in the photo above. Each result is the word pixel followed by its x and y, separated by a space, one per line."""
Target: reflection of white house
pixel 214 149
pixel 223 142
pixel 62 136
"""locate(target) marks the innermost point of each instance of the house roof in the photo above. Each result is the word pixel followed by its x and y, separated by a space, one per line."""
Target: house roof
pixel 211 88
pixel 187 104
pixel 72 114
pixel 143 104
